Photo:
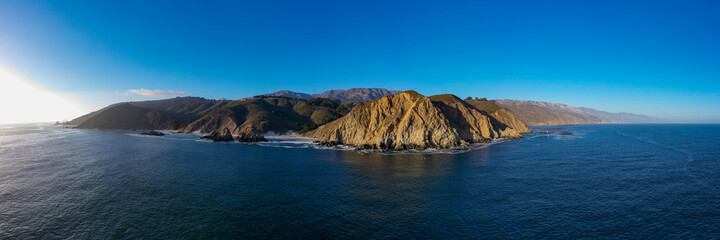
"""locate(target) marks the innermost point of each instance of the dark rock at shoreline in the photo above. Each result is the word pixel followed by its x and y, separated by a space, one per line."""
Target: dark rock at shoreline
pixel 251 135
pixel 219 136
pixel 152 133
pixel 251 138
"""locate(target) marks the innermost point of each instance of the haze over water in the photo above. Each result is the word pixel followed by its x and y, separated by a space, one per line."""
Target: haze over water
pixel 617 181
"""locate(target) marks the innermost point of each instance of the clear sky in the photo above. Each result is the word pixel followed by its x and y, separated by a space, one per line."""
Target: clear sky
pixel 660 58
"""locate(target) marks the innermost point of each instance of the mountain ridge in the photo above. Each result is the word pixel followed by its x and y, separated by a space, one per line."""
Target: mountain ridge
pixel 462 121
pixel 409 120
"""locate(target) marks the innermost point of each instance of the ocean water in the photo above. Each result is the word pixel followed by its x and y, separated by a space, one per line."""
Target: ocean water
pixel 583 181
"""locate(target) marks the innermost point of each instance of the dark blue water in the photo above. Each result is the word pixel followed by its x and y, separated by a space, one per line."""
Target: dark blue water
pixel 603 181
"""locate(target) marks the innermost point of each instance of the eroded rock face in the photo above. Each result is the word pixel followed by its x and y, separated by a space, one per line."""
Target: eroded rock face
pixel 251 135
pixel 220 136
pixel 506 118
pixel 410 120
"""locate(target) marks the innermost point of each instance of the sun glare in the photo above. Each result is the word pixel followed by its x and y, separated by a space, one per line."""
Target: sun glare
pixel 23 100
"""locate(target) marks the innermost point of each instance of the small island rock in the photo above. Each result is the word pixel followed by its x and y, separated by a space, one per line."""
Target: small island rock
pixel 153 133
pixel 219 136
pixel 251 135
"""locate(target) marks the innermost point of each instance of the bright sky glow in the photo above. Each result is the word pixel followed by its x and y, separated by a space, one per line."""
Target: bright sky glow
pixel 658 58
pixel 24 100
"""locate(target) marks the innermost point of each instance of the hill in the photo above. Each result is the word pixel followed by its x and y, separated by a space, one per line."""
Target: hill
pixel 499 114
pixel 193 114
pixel 410 120
pixel 158 114
pixel 398 121
pixel 264 114
pixel 127 116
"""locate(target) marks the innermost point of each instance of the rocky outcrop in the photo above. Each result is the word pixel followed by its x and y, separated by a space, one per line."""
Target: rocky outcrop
pixel 152 133
pixel 501 118
pixel 223 135
pixel 251 135
pixel 410 120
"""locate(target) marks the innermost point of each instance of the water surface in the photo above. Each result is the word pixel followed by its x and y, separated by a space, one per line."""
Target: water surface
pixel 598 181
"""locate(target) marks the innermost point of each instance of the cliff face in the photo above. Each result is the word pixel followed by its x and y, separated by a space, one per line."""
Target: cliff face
pixel 503 117
pixel 410 120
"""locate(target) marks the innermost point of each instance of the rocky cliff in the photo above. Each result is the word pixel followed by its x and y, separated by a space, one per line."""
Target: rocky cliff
pixel 502 117
pixel 410 120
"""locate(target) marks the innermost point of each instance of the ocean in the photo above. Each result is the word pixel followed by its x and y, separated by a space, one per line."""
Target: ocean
pixel 629 181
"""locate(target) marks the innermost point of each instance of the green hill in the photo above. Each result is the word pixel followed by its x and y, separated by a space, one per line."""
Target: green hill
pixel 264 114
pixel 166 114
pixel 126 116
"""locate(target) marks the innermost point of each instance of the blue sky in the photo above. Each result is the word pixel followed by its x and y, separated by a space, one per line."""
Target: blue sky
pixel 660 58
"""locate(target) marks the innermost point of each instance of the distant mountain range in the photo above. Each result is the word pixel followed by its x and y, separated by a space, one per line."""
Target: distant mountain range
pixel 374 123
pixel 546 113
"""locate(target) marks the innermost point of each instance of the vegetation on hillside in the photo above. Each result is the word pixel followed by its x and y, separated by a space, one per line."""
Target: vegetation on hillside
pixel 277 114
pixel 483 104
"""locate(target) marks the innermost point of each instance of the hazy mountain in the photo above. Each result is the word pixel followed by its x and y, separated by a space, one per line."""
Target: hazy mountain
pixel 547 113
pixel 410 120
pixel 353 94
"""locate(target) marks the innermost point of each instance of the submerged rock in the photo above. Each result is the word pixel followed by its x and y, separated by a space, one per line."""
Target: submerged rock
pixel 152 133
pixel 219 136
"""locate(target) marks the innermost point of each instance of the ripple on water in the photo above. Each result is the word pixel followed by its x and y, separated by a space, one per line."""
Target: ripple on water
pixel 72 183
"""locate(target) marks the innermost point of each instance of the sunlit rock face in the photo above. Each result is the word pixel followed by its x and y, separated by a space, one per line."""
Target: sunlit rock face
pixel 24 100
pixel 410 120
